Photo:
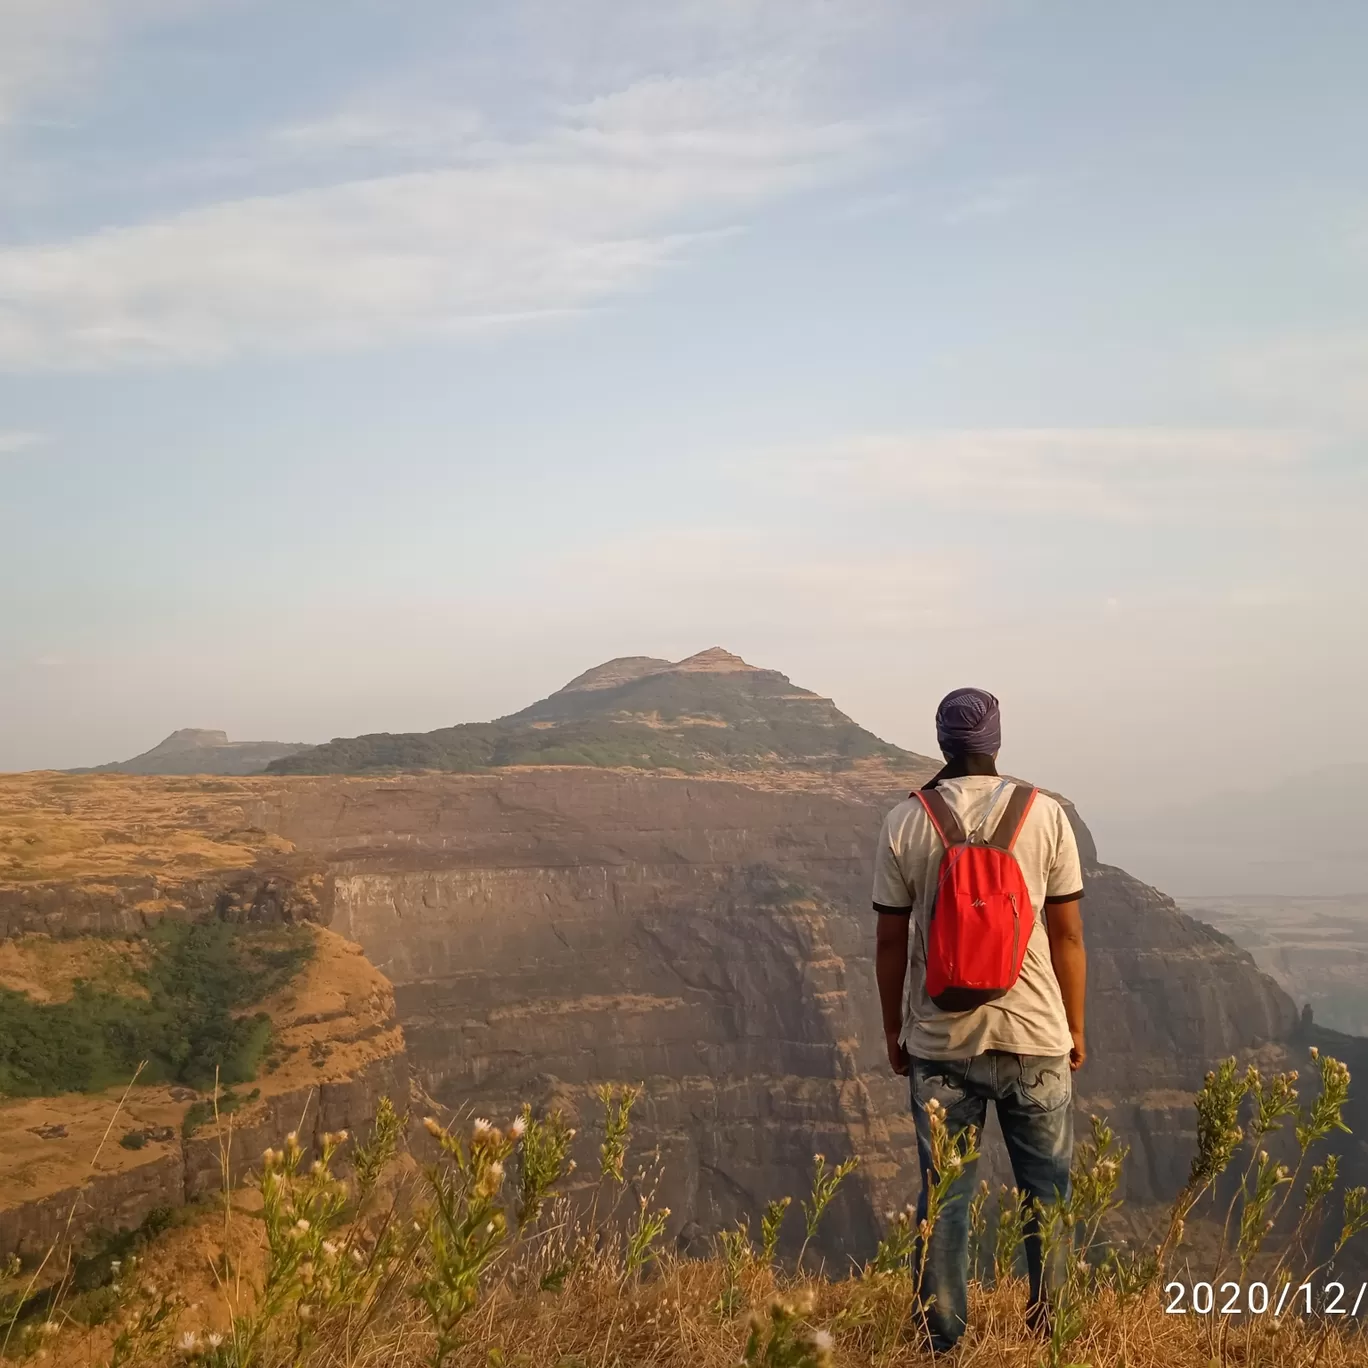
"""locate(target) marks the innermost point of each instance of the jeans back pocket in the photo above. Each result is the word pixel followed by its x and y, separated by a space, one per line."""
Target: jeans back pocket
pixel 1046 1083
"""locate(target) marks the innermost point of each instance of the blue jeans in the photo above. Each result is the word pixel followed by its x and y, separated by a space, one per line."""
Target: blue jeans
pixel 1034 1097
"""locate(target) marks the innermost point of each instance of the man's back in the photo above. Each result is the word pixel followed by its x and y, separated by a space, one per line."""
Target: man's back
pixel 1029 1018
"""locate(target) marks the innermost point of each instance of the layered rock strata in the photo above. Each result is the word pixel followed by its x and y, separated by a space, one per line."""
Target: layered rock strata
pixel 550 929
pixel 547 930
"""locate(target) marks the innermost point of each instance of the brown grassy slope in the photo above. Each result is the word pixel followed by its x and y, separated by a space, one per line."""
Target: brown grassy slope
pixel 47 969
pixel 332 1021
pixel 672 1320
pixel 92 826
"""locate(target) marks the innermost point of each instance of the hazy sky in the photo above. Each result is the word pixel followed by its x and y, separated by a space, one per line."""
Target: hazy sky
pixel 376 366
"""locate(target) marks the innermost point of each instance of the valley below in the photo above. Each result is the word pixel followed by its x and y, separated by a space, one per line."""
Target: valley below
pixel 1315 947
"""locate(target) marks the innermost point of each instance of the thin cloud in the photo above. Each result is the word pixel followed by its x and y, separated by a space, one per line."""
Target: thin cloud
pixel 11 442
pixel 1121 474
pixel 50 48
pixel 517 231
pixel 734 580
pixel 1317 378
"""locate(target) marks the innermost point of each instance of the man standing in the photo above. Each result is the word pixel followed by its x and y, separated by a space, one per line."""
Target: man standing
pixel 1018 1049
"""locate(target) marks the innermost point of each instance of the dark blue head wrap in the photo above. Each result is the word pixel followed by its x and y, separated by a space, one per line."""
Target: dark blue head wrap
pixel 968 723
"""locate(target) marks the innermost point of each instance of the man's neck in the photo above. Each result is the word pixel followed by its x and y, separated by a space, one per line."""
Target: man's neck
pixel 961 766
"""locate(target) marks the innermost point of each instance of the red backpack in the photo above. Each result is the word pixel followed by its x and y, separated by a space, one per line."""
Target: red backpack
pixel 982 917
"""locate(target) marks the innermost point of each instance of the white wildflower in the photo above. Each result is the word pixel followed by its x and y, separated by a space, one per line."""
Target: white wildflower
pixel 517 1126
pixel 482 1128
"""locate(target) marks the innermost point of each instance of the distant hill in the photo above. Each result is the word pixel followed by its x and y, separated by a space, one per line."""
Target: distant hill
pixel 710 712
pixel 198 750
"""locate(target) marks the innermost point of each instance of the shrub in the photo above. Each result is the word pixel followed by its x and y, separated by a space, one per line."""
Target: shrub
pixel 188 1026
pixel 491 1268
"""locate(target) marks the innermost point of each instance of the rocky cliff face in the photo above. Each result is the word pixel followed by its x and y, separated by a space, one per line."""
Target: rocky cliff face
pixel 550 929
pixel 547 929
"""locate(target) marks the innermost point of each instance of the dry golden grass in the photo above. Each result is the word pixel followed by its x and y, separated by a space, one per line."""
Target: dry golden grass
pixel 93 826
pixel 47 969
pixel 84 828
pixel 600 1320
pixel 670 1323
pixel 258 1286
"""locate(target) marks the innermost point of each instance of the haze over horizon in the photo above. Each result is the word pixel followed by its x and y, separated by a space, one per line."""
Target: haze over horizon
pixel 420 362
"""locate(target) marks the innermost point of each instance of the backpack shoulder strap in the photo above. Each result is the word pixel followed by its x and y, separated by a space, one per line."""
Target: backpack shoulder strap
pixel 1013 817
pixel 942 817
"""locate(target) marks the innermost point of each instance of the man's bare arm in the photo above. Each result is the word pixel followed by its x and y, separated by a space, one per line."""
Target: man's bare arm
pixel 1064 925
pixel 890 968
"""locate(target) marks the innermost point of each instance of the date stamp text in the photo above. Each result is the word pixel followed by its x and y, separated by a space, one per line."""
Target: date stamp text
pixel 1260 1299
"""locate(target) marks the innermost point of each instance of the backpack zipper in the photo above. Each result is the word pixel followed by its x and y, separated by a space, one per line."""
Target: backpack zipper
pixel 1016 928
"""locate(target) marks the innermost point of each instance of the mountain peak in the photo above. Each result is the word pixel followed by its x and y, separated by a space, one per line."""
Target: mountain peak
pixel 191 738
pixel 714 660
pixel 709 713
pixel 621 670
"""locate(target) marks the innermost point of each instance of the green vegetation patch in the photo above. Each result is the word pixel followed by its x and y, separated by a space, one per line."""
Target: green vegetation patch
pixel 201 1113
pixel 188 1021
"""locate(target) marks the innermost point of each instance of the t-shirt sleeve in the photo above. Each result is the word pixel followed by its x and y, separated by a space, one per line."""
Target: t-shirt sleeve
pixel 1065 882
pixel 891 893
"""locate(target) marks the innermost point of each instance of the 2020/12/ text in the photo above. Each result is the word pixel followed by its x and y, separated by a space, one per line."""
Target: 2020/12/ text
pixel 1258 1299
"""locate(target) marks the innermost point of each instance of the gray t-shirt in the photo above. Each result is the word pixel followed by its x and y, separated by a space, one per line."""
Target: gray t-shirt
pixel 1029 1018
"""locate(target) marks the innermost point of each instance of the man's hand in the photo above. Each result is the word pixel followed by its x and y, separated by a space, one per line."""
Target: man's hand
pixel 897 1056
pixel 1078 1056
